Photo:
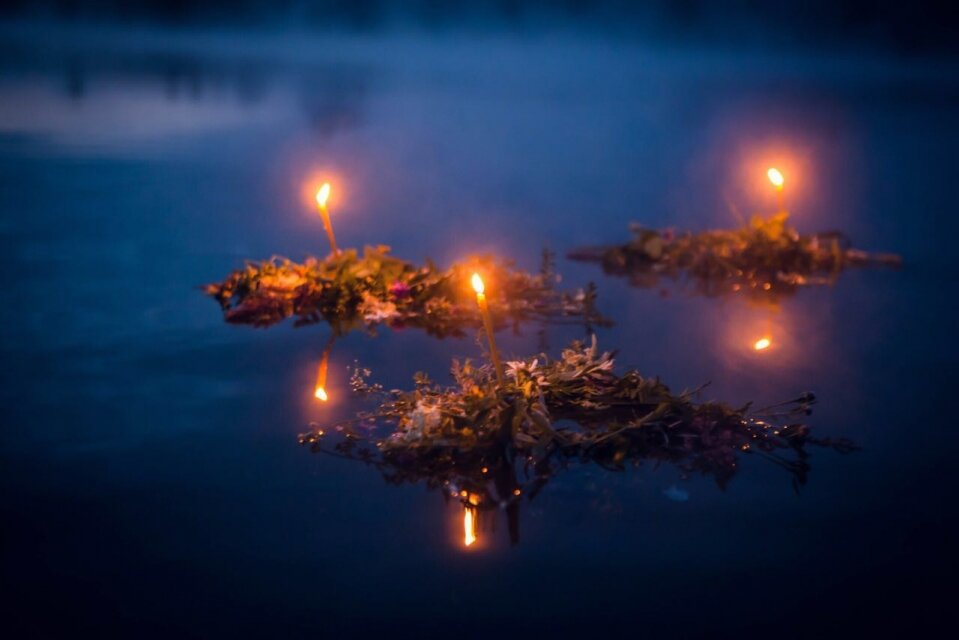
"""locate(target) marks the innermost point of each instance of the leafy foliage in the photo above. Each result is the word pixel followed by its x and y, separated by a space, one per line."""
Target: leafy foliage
pixel 765 259
pixel 464 439
pixel 351 291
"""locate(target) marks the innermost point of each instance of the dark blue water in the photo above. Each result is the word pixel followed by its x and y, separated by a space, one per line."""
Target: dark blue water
pixel 152 481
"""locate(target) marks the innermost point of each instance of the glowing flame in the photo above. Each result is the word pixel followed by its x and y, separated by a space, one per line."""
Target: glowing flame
pixel 762 343
pixel 477 283
pixel 469 526
pixel 776 177
pixel 323 194
pixel 320 394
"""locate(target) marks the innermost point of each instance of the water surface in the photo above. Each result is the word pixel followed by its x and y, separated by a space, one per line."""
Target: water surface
pixel 153 481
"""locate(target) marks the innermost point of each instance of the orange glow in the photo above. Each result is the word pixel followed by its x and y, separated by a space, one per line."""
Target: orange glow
pixel 313 184
pixel 776 177
pixel 319 391
pixel 469 526
pixel 323 194
pixel 762 343
pixel 478 285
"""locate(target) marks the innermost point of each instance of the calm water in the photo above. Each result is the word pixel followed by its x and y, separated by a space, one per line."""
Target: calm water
pixel 152 480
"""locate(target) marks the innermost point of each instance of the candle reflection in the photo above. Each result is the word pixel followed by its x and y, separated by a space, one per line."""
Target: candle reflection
pixel 469 526
pixel 319 391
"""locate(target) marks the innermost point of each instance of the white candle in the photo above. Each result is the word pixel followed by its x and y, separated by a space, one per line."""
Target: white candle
pixel 480 290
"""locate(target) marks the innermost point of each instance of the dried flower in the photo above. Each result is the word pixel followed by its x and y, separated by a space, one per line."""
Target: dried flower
pixel 399 290
pixel 765 259
pixel 606 418
pixel 374 310
pixel 351 291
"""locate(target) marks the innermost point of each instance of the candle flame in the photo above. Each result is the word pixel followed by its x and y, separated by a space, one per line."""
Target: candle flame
pixel 776 177
pixel 320 394
pixel 478 285
pixel 762 343
pixel 323 194
pixel 469 526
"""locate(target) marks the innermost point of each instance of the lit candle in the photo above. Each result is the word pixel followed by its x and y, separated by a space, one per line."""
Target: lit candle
pixel 320 391
pixel 322 195
pixel 469 526
pixel 480 290
pixel 762 344
pixel 776 177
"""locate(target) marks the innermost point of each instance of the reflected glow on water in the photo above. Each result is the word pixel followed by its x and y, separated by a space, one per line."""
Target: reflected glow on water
pixel 321 373
pixel 469 526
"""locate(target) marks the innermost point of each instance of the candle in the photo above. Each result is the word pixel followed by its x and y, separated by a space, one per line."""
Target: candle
pixel 480 290
pixel 320 391
pixel 322 195
pixel 762 344
pixel 776 177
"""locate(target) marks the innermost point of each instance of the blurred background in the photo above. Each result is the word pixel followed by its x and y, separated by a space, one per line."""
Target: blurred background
pixel 912 27
pixel 153 484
